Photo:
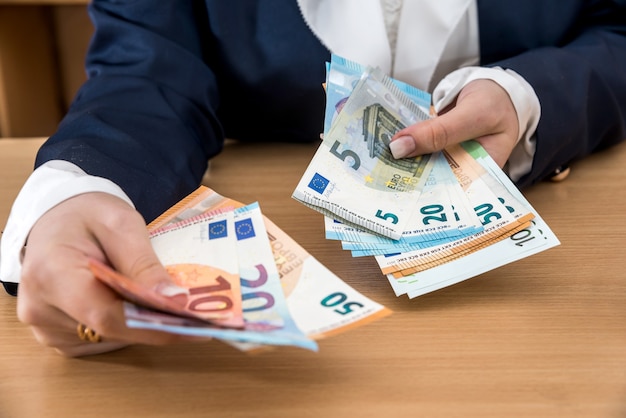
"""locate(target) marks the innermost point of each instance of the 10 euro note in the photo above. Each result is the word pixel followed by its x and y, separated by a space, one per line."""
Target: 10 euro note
pixel 154 297
pixel 200 254
pixel 353 177
pixel 267 320
pixel 204 273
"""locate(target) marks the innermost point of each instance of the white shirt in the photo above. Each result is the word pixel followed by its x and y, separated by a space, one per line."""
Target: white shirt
pixel 421 42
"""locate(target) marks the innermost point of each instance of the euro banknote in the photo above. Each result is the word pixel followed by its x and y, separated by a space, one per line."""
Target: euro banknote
pixel 319 303
pixel 353 176
pixel 266 316
pixel 463 204
pixel 342 75
pixel 535 238
pixel 442 214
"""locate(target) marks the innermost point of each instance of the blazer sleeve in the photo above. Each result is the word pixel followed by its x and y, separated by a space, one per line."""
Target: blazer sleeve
pixel 580 80
pixel 145 118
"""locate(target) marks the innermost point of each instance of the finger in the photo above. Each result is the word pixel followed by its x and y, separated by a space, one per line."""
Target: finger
pixel 54 328
pixel 498 146
pixel 88 302
pixel 458 125
pixel 66 341
pixel 123 236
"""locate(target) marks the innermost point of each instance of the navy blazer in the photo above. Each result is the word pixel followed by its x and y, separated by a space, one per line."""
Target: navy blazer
pixel 169 79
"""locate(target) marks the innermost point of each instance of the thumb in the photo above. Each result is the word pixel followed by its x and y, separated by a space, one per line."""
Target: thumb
pixel 124 239
pixel 453 127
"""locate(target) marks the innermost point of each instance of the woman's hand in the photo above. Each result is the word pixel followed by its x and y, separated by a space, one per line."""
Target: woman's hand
pixel 58 291
pixel 482 111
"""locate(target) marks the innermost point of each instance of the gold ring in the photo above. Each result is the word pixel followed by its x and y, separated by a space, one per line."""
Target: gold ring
pixel 87 334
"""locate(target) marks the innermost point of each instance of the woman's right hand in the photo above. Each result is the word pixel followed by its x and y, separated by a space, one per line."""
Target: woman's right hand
pixel 58 291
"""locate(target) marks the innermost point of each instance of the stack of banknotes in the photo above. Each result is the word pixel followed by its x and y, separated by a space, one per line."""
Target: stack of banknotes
pixel 239 278
pixel 429 221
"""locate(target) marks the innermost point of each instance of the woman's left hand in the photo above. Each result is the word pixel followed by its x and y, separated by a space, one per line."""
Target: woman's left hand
pixel 482 111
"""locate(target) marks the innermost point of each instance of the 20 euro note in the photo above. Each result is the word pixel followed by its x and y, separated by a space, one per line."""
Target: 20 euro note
pixel 443 213
pixel 353 177
pixel 320 303
pixel 264 302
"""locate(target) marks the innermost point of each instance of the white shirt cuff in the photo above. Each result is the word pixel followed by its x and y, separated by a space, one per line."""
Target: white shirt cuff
pixel 49 185
pixel 524 100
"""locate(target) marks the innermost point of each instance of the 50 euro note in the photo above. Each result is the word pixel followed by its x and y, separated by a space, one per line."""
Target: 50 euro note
pixel 353 177
pixel 320 303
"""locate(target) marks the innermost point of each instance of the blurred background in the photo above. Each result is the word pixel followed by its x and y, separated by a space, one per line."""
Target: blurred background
pixel 42 51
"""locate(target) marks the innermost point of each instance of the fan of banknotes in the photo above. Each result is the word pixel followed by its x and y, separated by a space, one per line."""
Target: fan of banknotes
pixel 239 278
pixel 430 221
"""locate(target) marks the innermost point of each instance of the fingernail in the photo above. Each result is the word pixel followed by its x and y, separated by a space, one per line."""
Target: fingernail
pixel 402 146
pixel 170 289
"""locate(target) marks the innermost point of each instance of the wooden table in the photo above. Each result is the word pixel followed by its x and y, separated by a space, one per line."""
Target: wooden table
pixel 543 337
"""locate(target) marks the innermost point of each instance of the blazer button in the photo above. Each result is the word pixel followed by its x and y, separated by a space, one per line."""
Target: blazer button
pixel 560 174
